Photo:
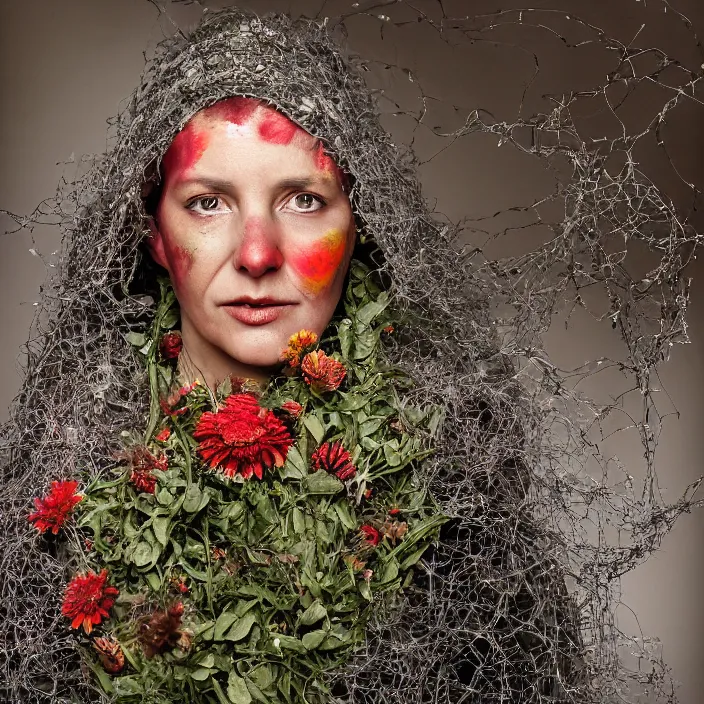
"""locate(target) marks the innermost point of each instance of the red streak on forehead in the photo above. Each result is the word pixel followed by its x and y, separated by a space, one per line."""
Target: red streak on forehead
pixel 186 149
pixel 324 162
pixel 318 264
pixel 277 128
pixel 238 110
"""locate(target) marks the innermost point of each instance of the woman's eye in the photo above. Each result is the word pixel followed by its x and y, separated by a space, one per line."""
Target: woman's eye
pixel 204 204
pixel 307 202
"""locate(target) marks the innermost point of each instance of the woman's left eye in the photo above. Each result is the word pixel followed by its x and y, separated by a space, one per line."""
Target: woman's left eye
pixel 307 202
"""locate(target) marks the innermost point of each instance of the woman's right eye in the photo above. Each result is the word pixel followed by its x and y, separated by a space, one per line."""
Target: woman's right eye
pixel 204 204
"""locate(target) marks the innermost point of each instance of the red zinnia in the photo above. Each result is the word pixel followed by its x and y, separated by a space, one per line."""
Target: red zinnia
pixel 242 438
pixel 170 345
pixel 322 373
pixel 334 459
pixel 370 534
pixel 88 599
pixel 54 508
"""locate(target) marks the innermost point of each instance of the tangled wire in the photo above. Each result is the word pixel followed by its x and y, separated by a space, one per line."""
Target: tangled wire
pixel 516 602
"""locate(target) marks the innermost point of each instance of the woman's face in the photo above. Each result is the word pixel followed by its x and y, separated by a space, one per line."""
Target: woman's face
pixel 256 232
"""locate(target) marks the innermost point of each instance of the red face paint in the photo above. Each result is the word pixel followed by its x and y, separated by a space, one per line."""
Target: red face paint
pixel 318 264
pixel 180 260
pixel 188 146
pixel 237 110
pixel 324 162
pixel 277 128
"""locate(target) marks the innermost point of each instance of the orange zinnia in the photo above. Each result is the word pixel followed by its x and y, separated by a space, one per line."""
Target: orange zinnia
pixel 297 345
pixel 88 599
pixel 322 373
pixel 53 510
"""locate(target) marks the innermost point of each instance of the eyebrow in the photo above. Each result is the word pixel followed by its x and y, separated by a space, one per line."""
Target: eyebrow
pixel 215 184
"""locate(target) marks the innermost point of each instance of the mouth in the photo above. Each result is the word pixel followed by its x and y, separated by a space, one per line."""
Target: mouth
pixel 257 311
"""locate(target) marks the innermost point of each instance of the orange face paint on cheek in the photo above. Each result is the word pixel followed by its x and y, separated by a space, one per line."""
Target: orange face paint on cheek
pixel 318 264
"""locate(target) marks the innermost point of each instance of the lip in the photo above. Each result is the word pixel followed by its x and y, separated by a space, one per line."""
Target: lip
pixel 257 311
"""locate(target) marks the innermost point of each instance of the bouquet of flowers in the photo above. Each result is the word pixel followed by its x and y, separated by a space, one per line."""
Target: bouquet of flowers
pixel 244 539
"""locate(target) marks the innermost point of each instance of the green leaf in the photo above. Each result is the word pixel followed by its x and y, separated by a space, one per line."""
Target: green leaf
pixel 371 310
pixel 160 526
pixel 343 512
pixel 299 523
pixel 393 458
pixel 142 554
pixel 224 621
pixel 352 402
pixel 288 643
pixel 242 627
pixel 313 614
pixel 315 427
pixel 237 691
pixel 193 498
pixel 322 483
pixel 313 639
pixel 295 467
pixel 344 331
pixel 137 339
pixel 200 675
pixel 365 590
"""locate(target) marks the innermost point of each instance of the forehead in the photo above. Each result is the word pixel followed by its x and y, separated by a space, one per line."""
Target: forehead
pixel 243 125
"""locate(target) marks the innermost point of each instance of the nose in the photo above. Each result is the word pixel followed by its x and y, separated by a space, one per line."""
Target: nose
pixel 258 251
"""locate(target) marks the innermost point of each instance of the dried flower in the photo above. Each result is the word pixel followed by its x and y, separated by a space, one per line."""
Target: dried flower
pixel 168 404
pixel 242 438
pixel 355 563
pixel 163 435
pixel 368 493
pixel 388 329
pixel 110 652
pixel 144 462
pixel 368 574
pixel 297 345
pixel 88 599
pixel 393 530
pixel 170 345
pixel 394 511
pixel 370 534
pixel 218 553
pixel 161 631
pixel 322 373
pixel 53 509
pixel 293 408
pixel 334 459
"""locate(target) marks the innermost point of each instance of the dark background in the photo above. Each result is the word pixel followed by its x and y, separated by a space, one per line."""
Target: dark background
pixel 66 66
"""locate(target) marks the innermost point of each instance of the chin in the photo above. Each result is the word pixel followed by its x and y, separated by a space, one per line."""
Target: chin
pixel 262 349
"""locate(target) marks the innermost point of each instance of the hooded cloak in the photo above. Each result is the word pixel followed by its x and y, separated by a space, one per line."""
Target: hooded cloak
pixel 492 618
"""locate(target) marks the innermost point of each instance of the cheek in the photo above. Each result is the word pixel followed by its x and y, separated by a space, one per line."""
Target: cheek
pixel 180 262
pixel 318 264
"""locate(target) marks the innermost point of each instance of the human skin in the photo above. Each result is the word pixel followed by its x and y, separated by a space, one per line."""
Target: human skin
pixel 256 231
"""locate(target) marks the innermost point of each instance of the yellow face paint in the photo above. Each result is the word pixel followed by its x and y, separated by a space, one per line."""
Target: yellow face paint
pixel 318 264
